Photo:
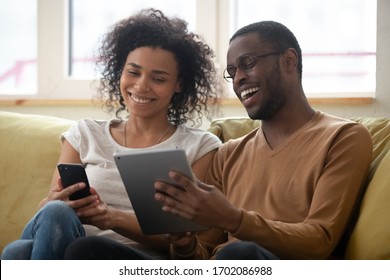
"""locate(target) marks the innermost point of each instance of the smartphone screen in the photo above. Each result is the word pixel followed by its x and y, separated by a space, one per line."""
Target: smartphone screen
pixel 72 173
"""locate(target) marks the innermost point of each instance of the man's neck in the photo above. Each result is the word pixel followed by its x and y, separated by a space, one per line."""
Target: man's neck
pixel 285 123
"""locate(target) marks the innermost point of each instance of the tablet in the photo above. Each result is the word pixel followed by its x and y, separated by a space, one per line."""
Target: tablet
pixel 139 171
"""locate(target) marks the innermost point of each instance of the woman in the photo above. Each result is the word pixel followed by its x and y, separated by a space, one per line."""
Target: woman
pixel 156 76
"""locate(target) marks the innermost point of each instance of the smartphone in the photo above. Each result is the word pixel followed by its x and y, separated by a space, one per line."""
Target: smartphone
pixel 72 173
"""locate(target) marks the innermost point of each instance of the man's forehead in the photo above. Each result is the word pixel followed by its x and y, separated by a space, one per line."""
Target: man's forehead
pixel 247 44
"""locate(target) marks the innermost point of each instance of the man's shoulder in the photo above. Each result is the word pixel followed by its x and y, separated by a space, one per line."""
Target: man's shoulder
pixel 332 119
pixel 335 122
pixel 242 140
pixel 343 128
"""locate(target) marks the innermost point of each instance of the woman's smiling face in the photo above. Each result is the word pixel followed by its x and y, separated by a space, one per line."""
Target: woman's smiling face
pixel 149 80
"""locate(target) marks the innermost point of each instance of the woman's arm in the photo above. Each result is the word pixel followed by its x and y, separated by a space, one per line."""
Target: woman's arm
pixel 200 166
pixel 68 155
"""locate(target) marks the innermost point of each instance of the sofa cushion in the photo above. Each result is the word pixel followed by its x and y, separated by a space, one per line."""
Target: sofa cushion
pixel 232 127
pixel 370 238
pixel 29 147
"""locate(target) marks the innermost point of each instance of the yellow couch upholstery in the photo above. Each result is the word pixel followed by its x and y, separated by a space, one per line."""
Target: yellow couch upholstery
pixel 29 149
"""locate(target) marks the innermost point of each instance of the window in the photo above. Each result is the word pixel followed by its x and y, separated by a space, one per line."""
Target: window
pixel 337 38
pixel 48 54
pixel 88 27
pixel 59 43
pixel 18 48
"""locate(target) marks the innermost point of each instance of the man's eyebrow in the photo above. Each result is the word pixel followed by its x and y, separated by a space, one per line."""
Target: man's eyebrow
pixel 135 65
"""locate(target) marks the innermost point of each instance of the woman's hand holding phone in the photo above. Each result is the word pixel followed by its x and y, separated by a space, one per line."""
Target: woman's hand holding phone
pixel 71 174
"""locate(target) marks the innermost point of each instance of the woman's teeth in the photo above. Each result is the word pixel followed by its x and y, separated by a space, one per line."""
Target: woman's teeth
pixel 140 99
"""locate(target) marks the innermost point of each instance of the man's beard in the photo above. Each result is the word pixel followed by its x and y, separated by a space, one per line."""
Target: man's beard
pixel 274 99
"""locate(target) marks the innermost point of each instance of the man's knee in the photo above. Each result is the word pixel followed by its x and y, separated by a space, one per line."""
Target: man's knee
pixel 82 248
pixel 244 250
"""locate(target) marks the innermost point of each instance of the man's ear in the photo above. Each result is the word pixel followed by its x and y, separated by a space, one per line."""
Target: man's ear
pixel 291 58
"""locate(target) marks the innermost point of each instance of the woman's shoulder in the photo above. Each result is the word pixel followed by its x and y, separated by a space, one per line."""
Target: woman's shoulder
pixel 88 125
pixel 198 132
pixel 196 137
pixel 91 123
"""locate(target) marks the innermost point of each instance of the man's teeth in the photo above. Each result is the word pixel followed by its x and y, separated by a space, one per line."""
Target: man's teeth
pixel 246 93
pixel 140 100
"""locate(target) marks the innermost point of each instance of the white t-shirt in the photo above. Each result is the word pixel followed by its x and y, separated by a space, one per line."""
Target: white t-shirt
pixel 93 140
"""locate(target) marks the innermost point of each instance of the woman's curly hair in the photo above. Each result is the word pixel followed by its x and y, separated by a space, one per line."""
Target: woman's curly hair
pixel 200 90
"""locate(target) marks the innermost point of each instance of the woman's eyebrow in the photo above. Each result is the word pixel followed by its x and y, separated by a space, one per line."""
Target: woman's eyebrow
pixel 135 65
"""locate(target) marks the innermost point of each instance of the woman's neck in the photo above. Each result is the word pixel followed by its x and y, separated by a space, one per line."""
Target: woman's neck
pixel 142 134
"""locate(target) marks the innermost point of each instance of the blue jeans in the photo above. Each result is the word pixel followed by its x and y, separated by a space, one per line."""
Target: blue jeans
pixel 47 234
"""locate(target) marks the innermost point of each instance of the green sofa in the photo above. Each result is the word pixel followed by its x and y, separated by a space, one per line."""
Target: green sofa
pixel 30 146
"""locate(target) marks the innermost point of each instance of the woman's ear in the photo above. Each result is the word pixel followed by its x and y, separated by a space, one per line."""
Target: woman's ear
pixel 178 86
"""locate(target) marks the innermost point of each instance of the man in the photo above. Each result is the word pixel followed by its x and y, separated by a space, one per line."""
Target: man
pixel 286 190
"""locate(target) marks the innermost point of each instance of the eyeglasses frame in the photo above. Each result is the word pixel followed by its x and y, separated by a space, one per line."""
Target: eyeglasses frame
pixel 255 58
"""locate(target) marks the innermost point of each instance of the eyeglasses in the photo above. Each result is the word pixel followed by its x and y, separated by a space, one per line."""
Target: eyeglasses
pixel 245 63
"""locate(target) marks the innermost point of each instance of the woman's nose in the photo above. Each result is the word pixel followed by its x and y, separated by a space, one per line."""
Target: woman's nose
pixel 142 85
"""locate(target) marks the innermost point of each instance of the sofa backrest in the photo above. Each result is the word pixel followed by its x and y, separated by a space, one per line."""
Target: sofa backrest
pixel 370 237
